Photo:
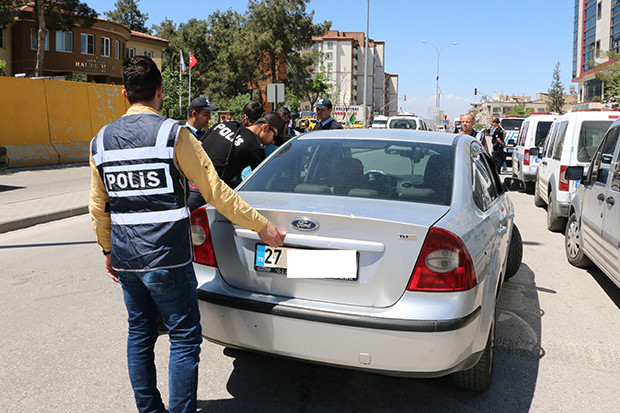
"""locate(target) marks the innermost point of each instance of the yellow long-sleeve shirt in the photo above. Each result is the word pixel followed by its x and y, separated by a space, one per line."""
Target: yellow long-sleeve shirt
pixel 197 167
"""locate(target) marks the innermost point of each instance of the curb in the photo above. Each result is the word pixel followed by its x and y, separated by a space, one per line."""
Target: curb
pixel 43 218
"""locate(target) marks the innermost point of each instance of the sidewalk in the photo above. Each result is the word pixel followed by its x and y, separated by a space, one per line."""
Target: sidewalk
pixel 30 196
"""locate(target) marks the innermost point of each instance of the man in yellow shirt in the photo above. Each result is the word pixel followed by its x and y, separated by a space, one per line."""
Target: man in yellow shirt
pixel 140 167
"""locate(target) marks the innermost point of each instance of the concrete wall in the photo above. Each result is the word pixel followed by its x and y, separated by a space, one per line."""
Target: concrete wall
pixel 46 122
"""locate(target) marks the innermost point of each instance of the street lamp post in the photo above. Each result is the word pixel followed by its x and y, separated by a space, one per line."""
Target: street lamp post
pixel 437 94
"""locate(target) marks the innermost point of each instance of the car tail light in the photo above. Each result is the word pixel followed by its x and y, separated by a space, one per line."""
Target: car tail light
pixel 444 264
pixel 526 157
pixel 563 184
pixel 201 238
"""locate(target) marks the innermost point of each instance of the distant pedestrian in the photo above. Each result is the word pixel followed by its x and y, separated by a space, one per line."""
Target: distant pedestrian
pixel 324 115
pixel 497 140
pixel 199 115
pixel 140 164
pixel 467 128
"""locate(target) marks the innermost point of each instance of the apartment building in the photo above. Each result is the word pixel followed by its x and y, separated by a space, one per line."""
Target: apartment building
pixel 342 63
pixel 596 30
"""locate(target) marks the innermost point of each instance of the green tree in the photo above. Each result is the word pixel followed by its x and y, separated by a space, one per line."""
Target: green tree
pixel 520 110
pixel 127 13
pixel 279 28
pixel 556 92
pixel 2 66
pixel 53 15
pixel 234 104
pixel 301 80
pixel 609 74
pixel 8 12
pixel 173 88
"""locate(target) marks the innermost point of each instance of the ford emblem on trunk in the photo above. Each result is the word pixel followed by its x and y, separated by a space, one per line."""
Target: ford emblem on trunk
pixel 305 224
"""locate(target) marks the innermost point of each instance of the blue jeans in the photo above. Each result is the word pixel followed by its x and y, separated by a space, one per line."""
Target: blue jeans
pixel 171 293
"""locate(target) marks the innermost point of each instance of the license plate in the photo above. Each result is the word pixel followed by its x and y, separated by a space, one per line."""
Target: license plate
pixel 302 263
pixel 536 160
pixel 509 150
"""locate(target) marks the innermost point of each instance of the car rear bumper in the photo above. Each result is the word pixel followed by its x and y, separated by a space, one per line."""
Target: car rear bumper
pixel 383 344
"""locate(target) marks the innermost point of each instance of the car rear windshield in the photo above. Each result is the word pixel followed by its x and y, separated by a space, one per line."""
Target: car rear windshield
pixel 403 124
pixel 394 170
pixel 590 136
pixel 512 124
pixel 541 132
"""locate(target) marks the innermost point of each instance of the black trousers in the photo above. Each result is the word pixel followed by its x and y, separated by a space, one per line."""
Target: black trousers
pixel 498 159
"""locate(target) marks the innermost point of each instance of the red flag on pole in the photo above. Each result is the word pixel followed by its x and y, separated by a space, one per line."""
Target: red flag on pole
pixel 192 61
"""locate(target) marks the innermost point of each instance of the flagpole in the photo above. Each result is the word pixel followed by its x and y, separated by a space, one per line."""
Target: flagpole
pixel 189 91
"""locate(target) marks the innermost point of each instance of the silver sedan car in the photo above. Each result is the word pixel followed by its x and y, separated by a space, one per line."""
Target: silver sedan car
pixel 397 244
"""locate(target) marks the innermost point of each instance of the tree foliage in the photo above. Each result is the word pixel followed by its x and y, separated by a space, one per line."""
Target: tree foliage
pixel 127 13
pixel 278 28
pixel 556 92
pixel 520 110
pixel 8 12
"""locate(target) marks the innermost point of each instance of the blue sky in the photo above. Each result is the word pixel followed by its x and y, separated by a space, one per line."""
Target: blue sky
pixel 508 47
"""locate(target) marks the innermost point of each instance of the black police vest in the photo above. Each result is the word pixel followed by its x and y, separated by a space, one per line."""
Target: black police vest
pixel 150 221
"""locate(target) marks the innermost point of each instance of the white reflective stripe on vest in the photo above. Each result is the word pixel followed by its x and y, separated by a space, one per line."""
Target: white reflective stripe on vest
pixel 137 218
pixel 164 133
pixel 99 142
pixel 131 154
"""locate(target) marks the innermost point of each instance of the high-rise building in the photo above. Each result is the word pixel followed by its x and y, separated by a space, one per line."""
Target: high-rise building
pixel 342 63
pixel 596 30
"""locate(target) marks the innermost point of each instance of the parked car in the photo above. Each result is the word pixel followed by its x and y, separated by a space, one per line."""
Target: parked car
pixel 533 131
pixel 571 141
pixel 511 126
pixel 358 123
pixel 397 244
pixel 406 122
pixel 593 227
pixel 379 122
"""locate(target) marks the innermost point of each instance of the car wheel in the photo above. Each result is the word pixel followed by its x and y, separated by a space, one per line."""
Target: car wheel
pixel 554 223
pixel 515 253
pixel 478 378
pixel 572 243
pixel 538 201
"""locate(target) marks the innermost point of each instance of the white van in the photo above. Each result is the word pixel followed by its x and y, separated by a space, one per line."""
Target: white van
pixel 379 122
pixel 511 126
pixel 532 134
pixel 406 122
pixel 571 141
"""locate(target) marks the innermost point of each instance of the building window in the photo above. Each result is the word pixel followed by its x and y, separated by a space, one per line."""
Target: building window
pixel 33 39
pixel 131 52
pixel 599 10
pixel 105 46
pixel 329 55
pixel 148 53
pixel 330 45
pixel 1 38
pixel 87 43
pixel 64 41
pixel 117 49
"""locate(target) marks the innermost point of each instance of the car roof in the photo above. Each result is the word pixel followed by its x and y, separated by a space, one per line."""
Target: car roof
pixel 590 114
pixel 407 135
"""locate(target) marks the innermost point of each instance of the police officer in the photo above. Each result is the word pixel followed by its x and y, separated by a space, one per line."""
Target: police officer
pixel 140 165
pixel 497 140
pixel 324 115
pixel 199 115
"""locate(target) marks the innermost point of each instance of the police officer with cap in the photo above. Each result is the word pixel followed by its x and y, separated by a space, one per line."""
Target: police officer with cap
pixel 324 115
pixel 199 115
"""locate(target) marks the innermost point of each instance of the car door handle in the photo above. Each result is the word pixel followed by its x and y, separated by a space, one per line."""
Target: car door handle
pixel 502 230
pixel 610 200
pixel 600 197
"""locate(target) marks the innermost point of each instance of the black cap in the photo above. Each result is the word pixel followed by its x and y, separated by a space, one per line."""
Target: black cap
pixel 323 103
pixel 275 120
pixel 496 120
pixel 201 103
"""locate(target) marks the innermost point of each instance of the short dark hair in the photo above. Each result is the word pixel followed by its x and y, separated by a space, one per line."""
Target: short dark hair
pixel 141 78
pixel 272 119
pixel 253 110
pixel 283 111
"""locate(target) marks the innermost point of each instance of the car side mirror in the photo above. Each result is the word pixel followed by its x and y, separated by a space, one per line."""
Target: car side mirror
pixel 574 173
pixel 514 184
pixel 535 152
